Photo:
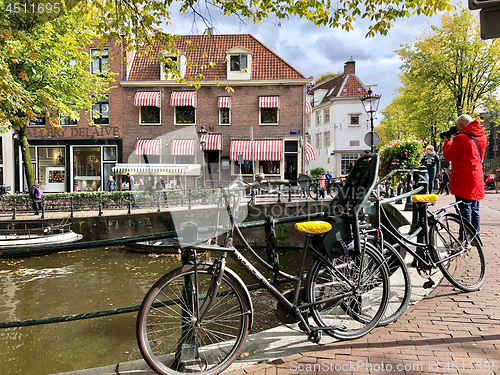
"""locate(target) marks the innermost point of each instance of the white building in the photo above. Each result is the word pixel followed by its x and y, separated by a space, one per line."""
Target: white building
pixel 338 122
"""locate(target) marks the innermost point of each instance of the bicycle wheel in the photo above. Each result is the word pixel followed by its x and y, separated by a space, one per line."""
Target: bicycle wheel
pixel 333 189
pixel 314 191
pixel 467 270
pixel 400 283
pixel 173 341
pixel 355 315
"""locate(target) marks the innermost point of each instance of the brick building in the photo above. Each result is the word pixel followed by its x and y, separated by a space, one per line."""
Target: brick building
pixel 80 156
pixel 244 86
pixel 150 125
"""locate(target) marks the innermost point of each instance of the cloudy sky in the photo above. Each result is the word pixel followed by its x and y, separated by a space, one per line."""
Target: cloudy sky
pixel 316 50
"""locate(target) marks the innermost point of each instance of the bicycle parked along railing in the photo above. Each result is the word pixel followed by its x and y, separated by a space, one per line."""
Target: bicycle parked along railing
pixel 331 188
pixel 197 317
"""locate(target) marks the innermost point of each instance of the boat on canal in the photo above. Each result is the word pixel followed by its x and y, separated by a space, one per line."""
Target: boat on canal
pixel 33 238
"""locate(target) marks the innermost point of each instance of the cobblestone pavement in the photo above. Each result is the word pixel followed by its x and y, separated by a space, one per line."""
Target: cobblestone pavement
pixel 449 331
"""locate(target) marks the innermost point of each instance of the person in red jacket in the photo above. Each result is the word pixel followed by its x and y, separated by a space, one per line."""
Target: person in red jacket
pixel 467 175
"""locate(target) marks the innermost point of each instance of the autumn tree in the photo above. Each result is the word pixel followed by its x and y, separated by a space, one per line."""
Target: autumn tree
pixel 44 72
pixel 449 70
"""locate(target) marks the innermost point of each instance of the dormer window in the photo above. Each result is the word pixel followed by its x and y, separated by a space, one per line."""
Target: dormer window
pixel 238 62
pixel 172 61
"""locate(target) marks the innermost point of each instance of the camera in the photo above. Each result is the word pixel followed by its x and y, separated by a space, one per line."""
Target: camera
pixel 448 133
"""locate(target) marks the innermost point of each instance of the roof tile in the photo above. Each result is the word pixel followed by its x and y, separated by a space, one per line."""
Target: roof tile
pixel 266 65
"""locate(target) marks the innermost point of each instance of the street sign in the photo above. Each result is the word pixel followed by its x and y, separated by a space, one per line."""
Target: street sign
pixel 490 23
pixel 368 139
pixel 294 132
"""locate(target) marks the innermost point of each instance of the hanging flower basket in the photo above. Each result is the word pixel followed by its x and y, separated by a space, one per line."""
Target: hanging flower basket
pixel 400 154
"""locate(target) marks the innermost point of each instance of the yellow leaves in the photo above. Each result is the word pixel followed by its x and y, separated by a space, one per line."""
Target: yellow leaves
pixel 16 61
pixel 23 76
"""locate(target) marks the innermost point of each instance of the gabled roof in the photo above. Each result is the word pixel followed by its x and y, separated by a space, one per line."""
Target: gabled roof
pixel 266 65
pixel 341 86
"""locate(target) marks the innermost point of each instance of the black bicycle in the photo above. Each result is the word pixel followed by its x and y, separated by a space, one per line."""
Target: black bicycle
pixel 197 317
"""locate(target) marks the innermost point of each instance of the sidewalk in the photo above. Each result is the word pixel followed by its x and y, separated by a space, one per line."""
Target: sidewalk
pixel 448 331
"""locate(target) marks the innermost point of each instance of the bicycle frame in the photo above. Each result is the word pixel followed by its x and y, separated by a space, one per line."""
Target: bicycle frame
pixel 394 234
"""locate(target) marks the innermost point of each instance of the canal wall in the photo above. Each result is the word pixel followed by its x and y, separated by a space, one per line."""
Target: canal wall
pixel 141 222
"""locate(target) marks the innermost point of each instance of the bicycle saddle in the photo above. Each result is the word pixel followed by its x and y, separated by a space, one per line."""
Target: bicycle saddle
pixel 425 198
pixel 313 227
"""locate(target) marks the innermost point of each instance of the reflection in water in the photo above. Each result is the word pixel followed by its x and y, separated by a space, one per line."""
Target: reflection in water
pixel 79 282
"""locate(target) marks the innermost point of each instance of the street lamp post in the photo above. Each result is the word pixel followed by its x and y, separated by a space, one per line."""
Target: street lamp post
pixel 370 102
pixel 203 132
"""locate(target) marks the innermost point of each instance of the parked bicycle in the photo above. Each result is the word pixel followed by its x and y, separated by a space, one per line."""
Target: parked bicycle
pixel 332 187
pixel 197 317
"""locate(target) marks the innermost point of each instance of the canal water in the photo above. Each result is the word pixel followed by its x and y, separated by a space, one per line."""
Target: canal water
pixel 87 281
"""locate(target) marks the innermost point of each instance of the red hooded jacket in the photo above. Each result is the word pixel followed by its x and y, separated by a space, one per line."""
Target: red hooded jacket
pixel 467 175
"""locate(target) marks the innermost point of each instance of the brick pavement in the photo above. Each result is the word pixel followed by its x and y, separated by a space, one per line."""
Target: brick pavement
pixel 449 331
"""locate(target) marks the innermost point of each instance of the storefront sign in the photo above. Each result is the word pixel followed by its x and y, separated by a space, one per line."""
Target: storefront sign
pixel 66 132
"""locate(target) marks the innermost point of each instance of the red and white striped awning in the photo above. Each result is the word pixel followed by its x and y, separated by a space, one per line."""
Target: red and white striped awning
pixel 310 152
pixel 224 102
pixel 269 102
pixel 262 150
pixel 183 99
pixel 148 147
pixel 212 141
pixel 308 107
pixel 183 147
pixel 147 99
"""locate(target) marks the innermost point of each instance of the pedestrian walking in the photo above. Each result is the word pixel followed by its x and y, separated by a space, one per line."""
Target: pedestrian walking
pixel 130 181
pixel 431 161
pixel 465 153
pixel 444 179
pixel 497 179
pixel 322 185
pixel 36 196
pixel 111 183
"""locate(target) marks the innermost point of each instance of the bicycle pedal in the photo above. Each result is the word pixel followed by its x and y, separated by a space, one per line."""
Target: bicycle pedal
pixel 333 328
pixel 315 336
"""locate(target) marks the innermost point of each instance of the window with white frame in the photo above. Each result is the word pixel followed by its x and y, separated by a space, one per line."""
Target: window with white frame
pixel 100 111
pixel 100 61
pixel 38 121
pixel 318 140
pixel 318 118
pixel 347 161
pixel 224 116
pixel 269 115
pixel 327 139
pixel 66 121
pixel 327 116
pixel 185 159
pixel 354 119
pixel 185 115
pixel 150 115
pixel 238 62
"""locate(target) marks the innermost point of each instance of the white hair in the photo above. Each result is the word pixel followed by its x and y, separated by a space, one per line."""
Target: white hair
pixel 463 120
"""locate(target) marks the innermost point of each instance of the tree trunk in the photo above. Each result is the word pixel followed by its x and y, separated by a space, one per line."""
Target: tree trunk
pixel 25 150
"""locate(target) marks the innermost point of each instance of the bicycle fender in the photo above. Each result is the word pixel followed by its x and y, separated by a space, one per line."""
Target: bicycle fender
pixel 246 293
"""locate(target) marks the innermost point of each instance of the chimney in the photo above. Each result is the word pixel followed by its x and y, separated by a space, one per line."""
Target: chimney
pixel 350 67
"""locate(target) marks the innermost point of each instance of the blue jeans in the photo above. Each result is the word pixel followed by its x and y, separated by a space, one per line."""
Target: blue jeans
pixel 432 175
pixel 470 211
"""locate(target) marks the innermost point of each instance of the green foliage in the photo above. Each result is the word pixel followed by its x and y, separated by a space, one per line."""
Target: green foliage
pixel 315 172
pixel 447 71
pixel 325 76
pixel 283 235
pixel 400 154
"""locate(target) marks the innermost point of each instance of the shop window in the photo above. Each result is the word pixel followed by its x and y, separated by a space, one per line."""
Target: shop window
pixel 346 160
pixel 269 115
pixel 51 168
pixel 87 168
pixel 109 153
pixel 100 111
pixel 185 115
pixel 150 115
pixel 246 167
pixel 269 167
